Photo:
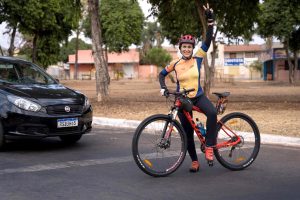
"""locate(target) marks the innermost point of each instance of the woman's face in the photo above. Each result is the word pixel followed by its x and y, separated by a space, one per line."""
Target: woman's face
pixel 186 49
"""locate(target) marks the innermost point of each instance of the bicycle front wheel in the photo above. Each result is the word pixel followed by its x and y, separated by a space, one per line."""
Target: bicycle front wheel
pixel 159 145
pixel 241 155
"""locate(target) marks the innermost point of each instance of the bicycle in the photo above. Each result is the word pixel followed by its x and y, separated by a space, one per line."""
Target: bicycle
pixel 159 144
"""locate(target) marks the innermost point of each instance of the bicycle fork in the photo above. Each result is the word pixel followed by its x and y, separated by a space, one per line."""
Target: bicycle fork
pixel 167 130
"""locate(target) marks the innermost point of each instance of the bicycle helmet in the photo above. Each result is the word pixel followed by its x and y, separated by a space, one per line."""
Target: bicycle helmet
pixel 187 39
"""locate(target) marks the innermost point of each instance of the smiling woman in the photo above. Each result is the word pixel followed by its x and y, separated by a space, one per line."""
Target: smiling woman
pixel 33 104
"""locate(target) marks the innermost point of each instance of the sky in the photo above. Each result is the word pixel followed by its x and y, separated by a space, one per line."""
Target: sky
pixel 4 39
pixel 145 7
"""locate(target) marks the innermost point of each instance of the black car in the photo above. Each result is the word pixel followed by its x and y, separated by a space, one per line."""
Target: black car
pixel 35 105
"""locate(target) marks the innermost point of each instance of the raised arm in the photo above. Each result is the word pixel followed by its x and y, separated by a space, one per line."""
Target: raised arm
pixel 209 13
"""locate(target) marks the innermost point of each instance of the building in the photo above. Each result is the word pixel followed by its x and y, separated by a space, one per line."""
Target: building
pixel 123 64
pixel 173 51
pixel 120 65
pixel 276 67
pixel 234 61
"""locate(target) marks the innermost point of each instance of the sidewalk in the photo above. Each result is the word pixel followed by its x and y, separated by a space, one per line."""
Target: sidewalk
pixel 265 138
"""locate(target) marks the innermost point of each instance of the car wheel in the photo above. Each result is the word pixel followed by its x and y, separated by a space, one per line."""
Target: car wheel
pixel 70 139
pixel 2 139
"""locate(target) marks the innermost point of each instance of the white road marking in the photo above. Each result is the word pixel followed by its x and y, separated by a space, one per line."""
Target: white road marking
pixel 84 163
pixel 63 165
pixel 79 163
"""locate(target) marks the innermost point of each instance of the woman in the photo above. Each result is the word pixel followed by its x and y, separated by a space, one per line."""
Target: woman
pixel 187 71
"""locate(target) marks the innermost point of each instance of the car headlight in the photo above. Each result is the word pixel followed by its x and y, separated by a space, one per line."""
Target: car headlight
pixel 24 103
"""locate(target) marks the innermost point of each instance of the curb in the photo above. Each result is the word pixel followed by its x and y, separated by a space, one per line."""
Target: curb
pixel 265 138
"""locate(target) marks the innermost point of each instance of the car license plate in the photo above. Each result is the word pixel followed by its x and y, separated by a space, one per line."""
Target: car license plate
pixel 67 122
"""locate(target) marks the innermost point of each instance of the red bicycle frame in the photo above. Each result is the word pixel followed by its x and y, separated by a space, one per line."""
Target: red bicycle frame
pixel 226 129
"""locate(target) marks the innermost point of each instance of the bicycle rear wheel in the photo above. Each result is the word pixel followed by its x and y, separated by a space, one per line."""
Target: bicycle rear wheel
pixel 242 154
pixel 154 152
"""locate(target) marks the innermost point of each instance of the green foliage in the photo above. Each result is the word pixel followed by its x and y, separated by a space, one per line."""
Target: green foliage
pixel 294 40
pixel 121 22
pixel 9 12
pixel 282 20
pixel 234 17
pixel 86 26
pixel 49 22
pixel 47 51
pixel 48 17
pixel 151 34
pixel 177 18
pixel 256 66
pixel 158 56
pixel 279 18
pixel 69 48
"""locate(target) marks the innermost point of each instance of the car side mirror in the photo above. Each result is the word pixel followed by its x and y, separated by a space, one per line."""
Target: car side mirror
pixel 57 80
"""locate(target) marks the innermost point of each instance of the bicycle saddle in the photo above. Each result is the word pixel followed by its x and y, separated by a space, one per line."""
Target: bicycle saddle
pixel 222 95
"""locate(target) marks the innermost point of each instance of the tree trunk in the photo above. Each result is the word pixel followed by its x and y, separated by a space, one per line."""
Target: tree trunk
pixel 11 48
pixel 296 64
pixel 76 54
pixel 213 59
pixel 105 54
pixel 105 58
pixel 1 51
pixel 291 66
pixel 102 78
pixel 158 39
pixel 34 48
pixel 207 77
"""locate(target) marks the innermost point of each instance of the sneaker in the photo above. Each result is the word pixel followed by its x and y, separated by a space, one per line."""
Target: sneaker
pixel 209 153
pixel 195 166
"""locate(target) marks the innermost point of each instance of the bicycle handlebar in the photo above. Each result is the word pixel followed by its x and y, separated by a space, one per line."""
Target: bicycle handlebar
pixel 182 92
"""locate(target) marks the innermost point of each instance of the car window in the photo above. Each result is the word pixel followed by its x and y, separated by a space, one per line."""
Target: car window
pixel 24 73
pixel 8 73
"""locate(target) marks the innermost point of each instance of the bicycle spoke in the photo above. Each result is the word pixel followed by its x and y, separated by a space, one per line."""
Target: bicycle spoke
pixel 241 134
pixel 160 147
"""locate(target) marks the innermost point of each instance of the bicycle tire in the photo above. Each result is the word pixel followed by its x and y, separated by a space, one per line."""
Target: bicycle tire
pixel 244 153
pixel 150 155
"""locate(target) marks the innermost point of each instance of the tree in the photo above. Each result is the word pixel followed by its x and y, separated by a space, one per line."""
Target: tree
pixel 158 56
pixel 46 50
pixel 151 36
pixel 121 22
pixel 120 26
pixel 48 22
pixel 255 66
pixel 294 42
pixel 102 76
pixel 282 20
pixel 78 16
pixel 70 48
pixel 1 51
pixel 234 18
pixel 9 14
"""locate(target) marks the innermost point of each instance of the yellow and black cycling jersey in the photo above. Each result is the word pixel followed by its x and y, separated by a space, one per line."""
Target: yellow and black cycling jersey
pixel 188 70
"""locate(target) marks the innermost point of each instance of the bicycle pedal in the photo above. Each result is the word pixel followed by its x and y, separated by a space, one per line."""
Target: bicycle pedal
pixel 210 163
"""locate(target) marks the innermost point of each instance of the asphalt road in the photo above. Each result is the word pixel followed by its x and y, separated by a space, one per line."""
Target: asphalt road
pixel 100 167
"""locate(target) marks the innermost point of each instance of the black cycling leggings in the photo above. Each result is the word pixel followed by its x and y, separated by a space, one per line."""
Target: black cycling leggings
pixel 210 111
